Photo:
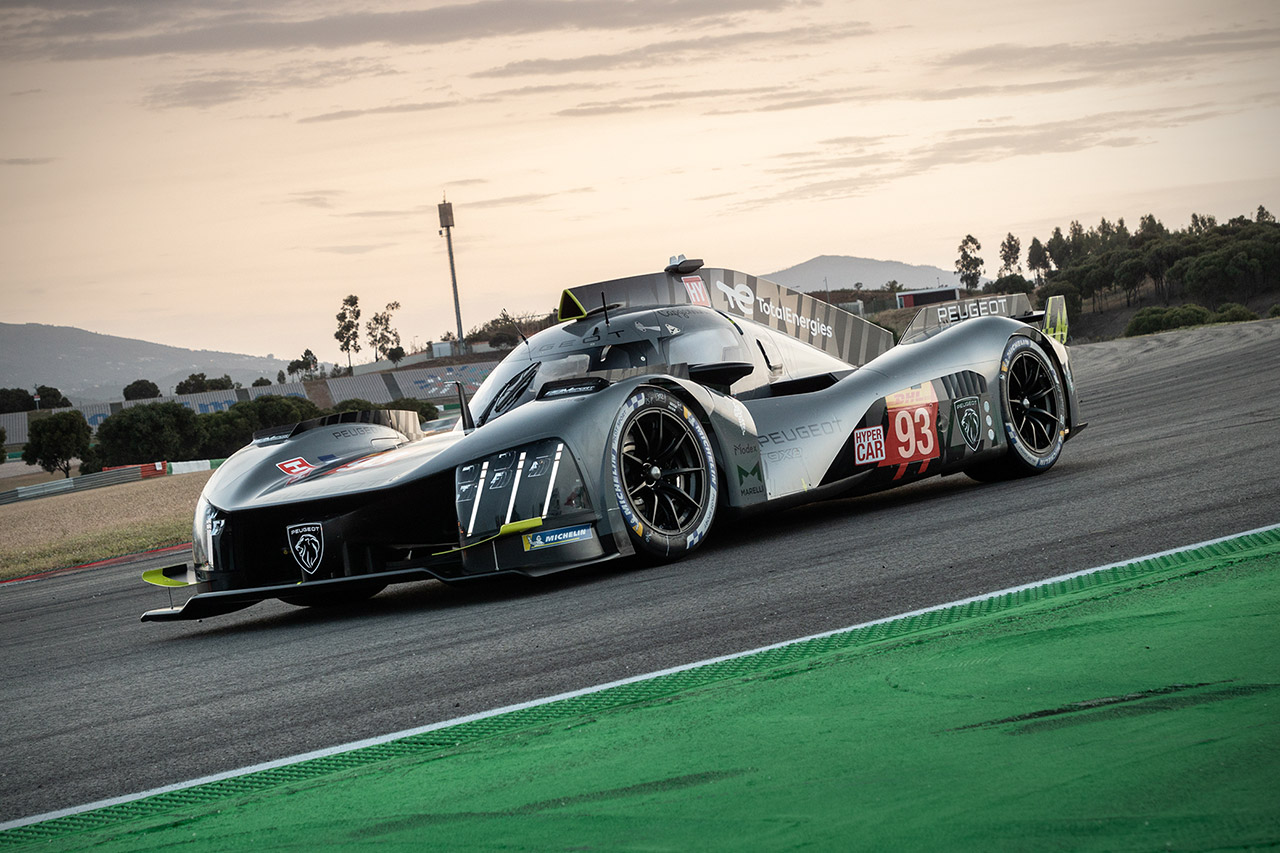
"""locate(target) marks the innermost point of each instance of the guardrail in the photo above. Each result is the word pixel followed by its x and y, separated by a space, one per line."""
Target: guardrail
pixel 109 477
pixel 74 484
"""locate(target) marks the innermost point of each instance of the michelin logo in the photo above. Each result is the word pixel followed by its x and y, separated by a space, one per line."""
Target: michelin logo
pixel 560 536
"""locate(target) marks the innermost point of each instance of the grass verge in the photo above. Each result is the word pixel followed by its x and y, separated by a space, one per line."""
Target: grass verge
pixel 68 530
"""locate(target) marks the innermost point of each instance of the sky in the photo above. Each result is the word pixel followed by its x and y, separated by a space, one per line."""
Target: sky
pixel 217 174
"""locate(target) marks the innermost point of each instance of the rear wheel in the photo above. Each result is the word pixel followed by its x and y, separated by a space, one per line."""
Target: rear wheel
pixel 1033 405
pixel 664 473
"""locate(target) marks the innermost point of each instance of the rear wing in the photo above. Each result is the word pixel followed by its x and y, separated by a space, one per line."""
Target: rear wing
pixel 932 319
pixel 819 324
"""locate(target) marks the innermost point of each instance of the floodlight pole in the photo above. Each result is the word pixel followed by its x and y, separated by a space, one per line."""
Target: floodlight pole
pixel 446 228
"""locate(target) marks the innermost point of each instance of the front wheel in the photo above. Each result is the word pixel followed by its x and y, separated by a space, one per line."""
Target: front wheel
pixel 1034 408
pixel 664 473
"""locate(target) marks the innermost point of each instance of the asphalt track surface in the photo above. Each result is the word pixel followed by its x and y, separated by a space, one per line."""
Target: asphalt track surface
pixel 1180 449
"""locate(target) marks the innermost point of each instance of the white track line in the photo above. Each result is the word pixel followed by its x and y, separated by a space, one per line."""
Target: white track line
pixel 381 739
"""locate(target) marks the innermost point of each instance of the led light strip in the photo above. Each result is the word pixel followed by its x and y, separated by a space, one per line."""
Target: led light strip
pixel 555 467
pixel 484 469
pixel 515 487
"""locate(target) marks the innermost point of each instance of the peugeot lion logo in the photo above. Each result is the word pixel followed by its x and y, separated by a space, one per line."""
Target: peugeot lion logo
pixel 970 424
pixel 306 543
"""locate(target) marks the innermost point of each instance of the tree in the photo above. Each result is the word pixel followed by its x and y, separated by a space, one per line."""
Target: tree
pixel 16 400
pixel 1077 248
pixel 382 337
pixel 396 354
pixel 280 377
pixel 502 340
pixel 1130 275
pixel 141 389
pixel 425 411
pixel 52 398
pixel 260 382
pixel 1011 283
pixel 1150 229
pixel 304 367
pixel 222 384
pixel 1038 260
pixel 223 433
pixel 1264 215
pixel 1059 250
pixel 969 265
pixel 348 334
pixel 1202 224
pixel 151 432
pixel 193 384
pixel 3 435
pixel 354 404
pixel 54 441
pixel 1010 251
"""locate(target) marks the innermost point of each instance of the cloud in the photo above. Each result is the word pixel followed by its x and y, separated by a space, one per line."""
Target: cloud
pixel 316 198
pixel 388 214
pixel 27 161
pixel 342 115
pixel 852 166
pixel 78 31
pixel 671 52
pixel 354 250
pixel 660 99
pixel 1149 57
pixel 210 89
pixel 527 199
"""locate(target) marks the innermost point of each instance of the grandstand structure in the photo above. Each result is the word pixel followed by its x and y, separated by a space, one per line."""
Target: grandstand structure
pixel 420 383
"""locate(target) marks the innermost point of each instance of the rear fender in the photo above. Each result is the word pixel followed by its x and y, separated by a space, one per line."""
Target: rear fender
pixel 1059 354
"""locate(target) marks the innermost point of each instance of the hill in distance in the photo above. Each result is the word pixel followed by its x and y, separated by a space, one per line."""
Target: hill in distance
pixel 89 367
pixel 834 272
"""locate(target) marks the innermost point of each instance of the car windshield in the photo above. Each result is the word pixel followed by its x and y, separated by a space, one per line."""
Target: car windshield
pixel 652 340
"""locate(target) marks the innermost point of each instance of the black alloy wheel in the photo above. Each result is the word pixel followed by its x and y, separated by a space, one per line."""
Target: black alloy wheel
pixel 665 474
pixel 1033 407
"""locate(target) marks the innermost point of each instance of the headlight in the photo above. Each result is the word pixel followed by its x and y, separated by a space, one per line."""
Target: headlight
pixel 538 480
pixel 205 529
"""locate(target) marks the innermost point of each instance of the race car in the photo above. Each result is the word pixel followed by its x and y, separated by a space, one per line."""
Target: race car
pixel 659 404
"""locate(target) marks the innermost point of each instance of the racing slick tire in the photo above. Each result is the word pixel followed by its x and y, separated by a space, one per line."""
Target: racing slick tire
pixel 664 473
pixel 334 597
pixel 1034 407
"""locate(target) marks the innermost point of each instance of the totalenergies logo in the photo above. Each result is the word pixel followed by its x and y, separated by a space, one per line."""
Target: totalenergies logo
pixel 739 296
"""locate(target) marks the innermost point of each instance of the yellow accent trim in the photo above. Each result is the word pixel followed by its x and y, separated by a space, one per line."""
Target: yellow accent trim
pixel 159 578
pixel 567 296
pixel 1055 318
pixel 507 529
pixel 519 526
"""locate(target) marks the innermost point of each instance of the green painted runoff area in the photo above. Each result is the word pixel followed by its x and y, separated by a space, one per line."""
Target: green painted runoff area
pixel 1132 709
